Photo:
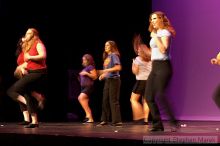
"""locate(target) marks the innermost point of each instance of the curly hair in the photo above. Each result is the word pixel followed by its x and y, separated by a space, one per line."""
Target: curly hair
pixel 164 23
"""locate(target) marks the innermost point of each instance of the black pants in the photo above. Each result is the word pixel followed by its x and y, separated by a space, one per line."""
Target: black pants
pixel 24 86
pixel 110 102
pixel 156 85
pixel 216 96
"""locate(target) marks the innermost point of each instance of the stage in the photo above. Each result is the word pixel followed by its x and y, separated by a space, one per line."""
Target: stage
pixel 71 133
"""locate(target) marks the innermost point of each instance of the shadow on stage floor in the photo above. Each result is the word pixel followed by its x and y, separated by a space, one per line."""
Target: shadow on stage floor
pixel 73 133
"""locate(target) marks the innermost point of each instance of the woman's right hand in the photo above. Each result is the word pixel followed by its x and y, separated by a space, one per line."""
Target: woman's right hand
pixel 102 76
pixel 17 73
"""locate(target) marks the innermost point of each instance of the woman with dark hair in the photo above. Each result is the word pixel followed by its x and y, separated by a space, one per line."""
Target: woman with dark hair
pixel 111 92
pixel 87 77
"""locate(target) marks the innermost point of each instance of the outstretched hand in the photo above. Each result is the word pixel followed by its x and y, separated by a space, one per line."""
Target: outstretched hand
pixel 214 61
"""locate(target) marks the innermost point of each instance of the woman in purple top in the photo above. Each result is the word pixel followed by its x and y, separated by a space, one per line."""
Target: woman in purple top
pixel 87 77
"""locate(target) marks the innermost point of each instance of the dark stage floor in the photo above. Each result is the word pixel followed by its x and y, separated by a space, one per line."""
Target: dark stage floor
pixel 90 134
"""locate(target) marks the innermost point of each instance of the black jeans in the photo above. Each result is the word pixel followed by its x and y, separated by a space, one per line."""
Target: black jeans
pixel 110 102
pixel 156 85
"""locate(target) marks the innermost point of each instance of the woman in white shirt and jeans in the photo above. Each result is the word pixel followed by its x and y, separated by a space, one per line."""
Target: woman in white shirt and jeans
pixel 161 33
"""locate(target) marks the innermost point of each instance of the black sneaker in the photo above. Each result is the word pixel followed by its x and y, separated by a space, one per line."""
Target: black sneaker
pixel 31 126
pixel 140 122
pixel 88 122
pixel 85 120
pixel 145 123
pixel 24 123
pixel 102 124
pixel 119 124
pixel 157 129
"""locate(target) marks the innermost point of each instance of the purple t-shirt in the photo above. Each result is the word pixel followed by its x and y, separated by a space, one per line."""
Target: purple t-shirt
pixel 85 80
